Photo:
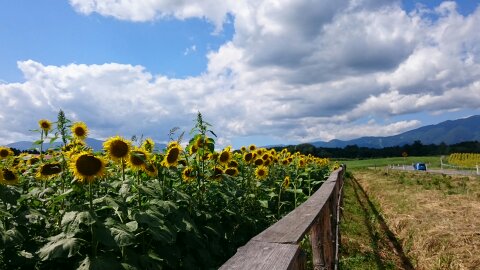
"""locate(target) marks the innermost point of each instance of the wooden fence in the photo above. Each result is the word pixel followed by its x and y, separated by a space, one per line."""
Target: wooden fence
pixel 278 247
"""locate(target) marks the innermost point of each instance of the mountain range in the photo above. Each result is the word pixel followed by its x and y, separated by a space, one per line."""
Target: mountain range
pixel 96 145
pixel 448 132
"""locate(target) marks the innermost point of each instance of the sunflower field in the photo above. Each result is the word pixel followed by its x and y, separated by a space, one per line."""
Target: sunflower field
pixel 189 206
pixel 464 159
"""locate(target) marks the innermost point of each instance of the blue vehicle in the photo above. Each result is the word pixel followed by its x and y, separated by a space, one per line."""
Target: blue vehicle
pixel 420 166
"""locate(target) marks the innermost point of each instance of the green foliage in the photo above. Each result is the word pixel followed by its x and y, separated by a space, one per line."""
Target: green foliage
pixel 129 219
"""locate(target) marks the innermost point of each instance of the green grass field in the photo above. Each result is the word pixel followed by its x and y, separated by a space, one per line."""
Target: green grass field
pixel 431 161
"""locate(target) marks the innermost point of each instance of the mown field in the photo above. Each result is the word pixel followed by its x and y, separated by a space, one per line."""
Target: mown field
pixel 410 220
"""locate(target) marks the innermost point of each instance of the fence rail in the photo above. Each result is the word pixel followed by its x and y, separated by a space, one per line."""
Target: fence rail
pixel 278 247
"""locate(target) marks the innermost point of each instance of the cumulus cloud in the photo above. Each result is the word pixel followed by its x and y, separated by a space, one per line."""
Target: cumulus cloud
pixel 296 70
pixel 149 10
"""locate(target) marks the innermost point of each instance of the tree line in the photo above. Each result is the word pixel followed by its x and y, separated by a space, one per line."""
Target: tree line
pixel 417 148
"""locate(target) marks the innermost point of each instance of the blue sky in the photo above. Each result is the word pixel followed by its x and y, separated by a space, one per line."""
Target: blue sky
pixel 264 72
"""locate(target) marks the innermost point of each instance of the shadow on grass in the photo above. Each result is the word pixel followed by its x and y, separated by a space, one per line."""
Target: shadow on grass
pixel 396 248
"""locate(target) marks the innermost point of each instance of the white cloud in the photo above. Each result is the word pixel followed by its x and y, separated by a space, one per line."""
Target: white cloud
pixel 149 10
pixel 299 70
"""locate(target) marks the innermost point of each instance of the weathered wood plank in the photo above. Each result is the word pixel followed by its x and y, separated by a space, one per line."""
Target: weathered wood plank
pixel 264 256
pixel 292 227
pixel 278 246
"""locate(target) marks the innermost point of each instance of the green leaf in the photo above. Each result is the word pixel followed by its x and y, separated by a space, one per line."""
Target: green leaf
pixel 38 142
pixel 162 234
pixel 104 235
pixel 100 263
pixel 53 139
pixel 12 237
pixel 60 246
pixel 151 261
pixel 73 222
pixel 9 194
pixel 148 219
pixel 132 226
pixel 107 201
pixel 122 237
pixel 63 195
pixel 263 203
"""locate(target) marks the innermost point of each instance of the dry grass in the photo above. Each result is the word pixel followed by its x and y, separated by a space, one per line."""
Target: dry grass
pixel 435 217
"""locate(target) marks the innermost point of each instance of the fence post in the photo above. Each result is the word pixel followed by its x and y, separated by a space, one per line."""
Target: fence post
pixel 316 242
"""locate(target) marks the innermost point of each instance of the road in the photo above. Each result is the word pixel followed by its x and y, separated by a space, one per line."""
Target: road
pixel 449 171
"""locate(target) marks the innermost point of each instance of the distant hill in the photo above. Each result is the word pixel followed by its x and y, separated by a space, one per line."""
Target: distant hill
pixel 96 145
pixel 449 132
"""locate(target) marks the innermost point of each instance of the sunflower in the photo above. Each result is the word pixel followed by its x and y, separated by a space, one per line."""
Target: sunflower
pixel 33 160
pixel 233 163
pixel 261 172
pixel 252 147
pixel 248 157
pixel 243 149
pixel 79 130
pixel 267 162
pixel 187 174
pixel 213 156
pixel 173 155
pixel 5 152
pixel 225 156
pixel 258 162
pixel 117 148
pixel 286 182
pixel 217 172
pixel 45 125
pixel 8 177
pixel 201 141
pixel 232 171
pixel 47 171
pixel 85 166
pixel 151 169
pixel 137 158
pixel 148 145
pixel 302 162
pixel 192 149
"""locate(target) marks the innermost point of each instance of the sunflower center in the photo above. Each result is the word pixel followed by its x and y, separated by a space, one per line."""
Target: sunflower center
pixel 224 157
pixel 173 155
pixel 88 165
pixel 50 169
pixel 80 131
pixel 231 171
pixel 150 168
pixel 137 158
pixel 188 172
pixel 45 125
pixel 8 175
pixel 119 149
pixel 258 161
pixel 4 153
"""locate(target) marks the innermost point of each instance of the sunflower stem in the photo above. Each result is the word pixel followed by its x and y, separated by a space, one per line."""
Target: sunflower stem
pixel 41 146
pixel 123 170
pixel 139 191
pixel 94 246
pixel 279 199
